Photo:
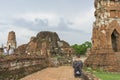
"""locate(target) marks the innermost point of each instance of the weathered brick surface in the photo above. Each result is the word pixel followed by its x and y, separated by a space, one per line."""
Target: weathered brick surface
pixel 14 67
pixel 12 40
pixel 46 43
pixel 106 36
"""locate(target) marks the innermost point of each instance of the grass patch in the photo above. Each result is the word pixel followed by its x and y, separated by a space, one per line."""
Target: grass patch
pixel 104 75
pixel 107 76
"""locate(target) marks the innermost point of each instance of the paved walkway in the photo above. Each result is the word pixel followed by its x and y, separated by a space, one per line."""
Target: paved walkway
pixel 60 73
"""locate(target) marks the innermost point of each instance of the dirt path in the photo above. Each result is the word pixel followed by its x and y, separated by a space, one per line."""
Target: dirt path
pixel 59 73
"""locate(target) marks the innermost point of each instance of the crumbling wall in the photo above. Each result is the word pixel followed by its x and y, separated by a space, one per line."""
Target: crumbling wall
pixel 45 43
pixel 15 67
pixel 105 36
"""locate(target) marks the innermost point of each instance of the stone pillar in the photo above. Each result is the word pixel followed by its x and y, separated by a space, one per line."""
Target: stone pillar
pixel 11 43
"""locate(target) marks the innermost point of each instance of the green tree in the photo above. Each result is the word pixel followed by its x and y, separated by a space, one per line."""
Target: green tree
pixel 82 48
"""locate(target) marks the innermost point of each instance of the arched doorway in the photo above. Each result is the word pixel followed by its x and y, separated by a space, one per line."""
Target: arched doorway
pixel 114 39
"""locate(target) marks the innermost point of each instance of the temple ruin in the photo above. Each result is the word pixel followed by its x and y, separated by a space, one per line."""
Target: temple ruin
pixel 105 53
pixel 12 40
pixel 46 43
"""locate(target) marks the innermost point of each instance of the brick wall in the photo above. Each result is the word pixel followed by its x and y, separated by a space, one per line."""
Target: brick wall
pixel 15 67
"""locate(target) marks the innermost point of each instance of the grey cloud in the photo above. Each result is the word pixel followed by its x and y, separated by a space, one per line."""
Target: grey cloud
pixel 64 26
pixel 38 24
pixel 42 24
pixel 2 23
pixel 22 23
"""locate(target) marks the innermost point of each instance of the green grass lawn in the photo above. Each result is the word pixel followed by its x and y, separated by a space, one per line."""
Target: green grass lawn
pixel 107 76
pixel 104 75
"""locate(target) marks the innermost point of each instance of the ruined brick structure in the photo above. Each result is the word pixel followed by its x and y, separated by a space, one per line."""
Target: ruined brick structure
pixel 106 36
pixel 14 67
pixel 46 43
pixel 12 40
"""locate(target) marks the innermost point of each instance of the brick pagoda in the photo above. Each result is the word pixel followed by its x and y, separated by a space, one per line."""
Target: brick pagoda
pixel 105 53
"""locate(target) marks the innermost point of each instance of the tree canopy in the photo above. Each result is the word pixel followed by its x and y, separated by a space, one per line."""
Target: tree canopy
pixel 82 48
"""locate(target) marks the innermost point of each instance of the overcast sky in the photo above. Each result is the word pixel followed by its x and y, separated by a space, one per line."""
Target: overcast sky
pixel 71 19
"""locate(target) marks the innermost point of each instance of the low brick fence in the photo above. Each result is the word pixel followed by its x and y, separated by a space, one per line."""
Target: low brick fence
pixel 15 67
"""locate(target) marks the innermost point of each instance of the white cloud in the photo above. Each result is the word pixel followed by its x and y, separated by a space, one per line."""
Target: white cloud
pixel 74 37
pixel 23 35
pixel 72 20
pixel 83 21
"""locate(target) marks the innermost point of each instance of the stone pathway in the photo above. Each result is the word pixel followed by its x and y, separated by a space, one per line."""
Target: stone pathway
pixel 59 73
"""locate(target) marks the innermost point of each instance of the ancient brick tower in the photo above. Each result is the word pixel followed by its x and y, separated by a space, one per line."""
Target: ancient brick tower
pixel 11 40
pixel 105 52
